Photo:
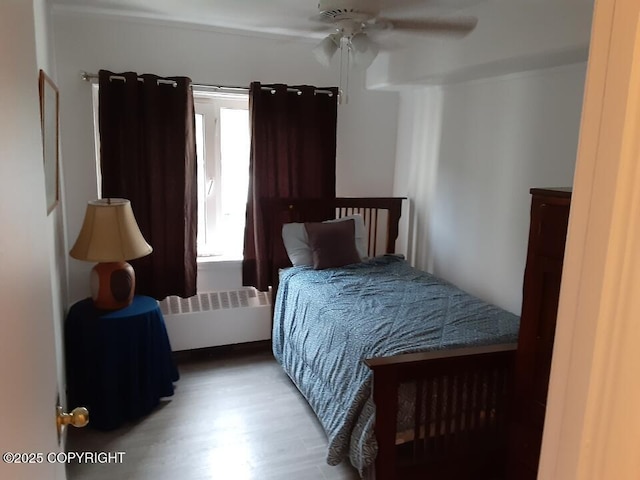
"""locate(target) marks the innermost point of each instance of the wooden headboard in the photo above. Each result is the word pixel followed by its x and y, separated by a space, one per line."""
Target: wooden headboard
pixel 381 216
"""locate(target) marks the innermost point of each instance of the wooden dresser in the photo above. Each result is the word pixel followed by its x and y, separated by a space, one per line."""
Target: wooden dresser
pixel 543 271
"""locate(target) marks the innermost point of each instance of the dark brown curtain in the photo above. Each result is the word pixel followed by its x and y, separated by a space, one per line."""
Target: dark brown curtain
pixel 148 155
pixel 293 154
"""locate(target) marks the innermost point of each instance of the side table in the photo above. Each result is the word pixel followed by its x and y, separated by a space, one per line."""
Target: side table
pixel 119 363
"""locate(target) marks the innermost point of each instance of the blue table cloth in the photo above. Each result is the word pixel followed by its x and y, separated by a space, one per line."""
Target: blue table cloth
pixel 119 363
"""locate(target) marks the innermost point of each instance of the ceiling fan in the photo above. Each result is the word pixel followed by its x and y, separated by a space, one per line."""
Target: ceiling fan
pixel 354 21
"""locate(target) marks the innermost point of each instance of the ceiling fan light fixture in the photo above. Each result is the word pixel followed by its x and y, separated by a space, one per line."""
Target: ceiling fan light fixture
pixel 363 51
pixel 360 42
pixel 327 48
pixel 354 20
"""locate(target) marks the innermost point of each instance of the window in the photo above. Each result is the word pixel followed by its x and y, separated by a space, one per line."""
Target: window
pixel 222 143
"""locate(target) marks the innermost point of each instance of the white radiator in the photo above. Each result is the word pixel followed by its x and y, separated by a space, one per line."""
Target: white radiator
pixel 210 319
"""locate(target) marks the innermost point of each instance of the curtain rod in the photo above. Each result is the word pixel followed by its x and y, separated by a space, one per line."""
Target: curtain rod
pixel 88 77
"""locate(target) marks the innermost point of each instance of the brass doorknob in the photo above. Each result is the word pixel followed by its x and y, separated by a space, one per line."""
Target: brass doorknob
pixel 78 417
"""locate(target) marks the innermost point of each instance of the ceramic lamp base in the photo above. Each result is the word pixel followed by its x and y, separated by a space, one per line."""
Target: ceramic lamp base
pixel 112 285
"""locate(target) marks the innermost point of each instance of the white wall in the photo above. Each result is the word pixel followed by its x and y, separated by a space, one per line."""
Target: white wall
pixel 29 305
pixel 366 126
pixel 56 233
pixel 468 154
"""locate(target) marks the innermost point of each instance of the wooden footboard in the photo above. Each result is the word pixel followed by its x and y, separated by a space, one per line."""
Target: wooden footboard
pixel 458 426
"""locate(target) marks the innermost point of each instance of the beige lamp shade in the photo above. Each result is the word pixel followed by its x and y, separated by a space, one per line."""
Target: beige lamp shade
pixel 110 233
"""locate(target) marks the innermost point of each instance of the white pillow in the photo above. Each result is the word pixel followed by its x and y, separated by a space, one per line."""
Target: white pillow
pixel 296 242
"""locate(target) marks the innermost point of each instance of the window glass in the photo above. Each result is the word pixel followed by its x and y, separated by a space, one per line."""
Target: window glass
pixel 222 140
pixel 234 147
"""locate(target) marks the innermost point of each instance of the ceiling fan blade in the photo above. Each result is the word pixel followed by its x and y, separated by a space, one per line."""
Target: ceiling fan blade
pixel 319 18
pixel 388 5
pixel 322 28
pixel 459 26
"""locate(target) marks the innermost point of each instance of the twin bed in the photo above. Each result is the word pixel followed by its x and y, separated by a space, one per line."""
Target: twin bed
pixel 409 376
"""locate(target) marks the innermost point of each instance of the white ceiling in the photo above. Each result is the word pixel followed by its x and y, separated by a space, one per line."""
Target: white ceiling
pixel 511 35
pixel 289 18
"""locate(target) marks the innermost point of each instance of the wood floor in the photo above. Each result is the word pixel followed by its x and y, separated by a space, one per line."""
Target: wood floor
pixel 233 417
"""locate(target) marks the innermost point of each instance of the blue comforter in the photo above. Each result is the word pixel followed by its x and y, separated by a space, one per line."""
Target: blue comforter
pixel 327 321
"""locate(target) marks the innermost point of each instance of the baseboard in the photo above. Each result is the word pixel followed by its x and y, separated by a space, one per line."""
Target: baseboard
pixel 196 354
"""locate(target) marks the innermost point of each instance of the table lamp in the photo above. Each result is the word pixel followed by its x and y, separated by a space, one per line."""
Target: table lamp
pixel 110 236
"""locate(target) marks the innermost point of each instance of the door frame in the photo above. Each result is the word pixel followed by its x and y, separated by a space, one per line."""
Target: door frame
pixel 589 432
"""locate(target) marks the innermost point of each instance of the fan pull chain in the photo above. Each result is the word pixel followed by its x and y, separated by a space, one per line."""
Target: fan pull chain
pixel 346 95
pixel 344 70
pixel 341 90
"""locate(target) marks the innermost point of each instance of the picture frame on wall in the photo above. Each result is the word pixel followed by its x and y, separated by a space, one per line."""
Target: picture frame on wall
pixel 49 111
